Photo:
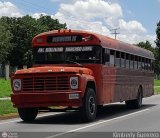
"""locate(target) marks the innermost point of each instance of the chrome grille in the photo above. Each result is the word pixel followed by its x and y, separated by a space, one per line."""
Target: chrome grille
pixel 45 83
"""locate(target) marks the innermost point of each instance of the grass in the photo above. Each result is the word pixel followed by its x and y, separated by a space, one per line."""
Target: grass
pixel 6 107
pixel 5 88
pixel 156 82
pixel 156 86
pixel 156 90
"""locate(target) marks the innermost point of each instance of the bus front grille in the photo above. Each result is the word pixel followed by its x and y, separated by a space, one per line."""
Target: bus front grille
pixel 45 83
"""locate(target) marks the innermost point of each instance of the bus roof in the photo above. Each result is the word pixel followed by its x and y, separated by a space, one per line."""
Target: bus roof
pixel 105 42
pixel 124 47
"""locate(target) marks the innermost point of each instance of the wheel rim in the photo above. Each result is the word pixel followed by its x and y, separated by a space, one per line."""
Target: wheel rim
pixel 92 105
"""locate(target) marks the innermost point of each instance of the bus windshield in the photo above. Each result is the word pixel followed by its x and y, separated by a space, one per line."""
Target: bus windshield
pixel 62 55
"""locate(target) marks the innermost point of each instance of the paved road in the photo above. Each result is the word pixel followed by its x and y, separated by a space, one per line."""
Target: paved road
pixel 113 118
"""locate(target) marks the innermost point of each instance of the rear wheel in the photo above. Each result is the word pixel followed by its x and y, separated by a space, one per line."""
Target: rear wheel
pixel 137 103
pixel 89 107
pixel 28 114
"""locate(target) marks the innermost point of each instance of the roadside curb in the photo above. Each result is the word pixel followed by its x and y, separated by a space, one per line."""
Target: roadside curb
pixel 5 98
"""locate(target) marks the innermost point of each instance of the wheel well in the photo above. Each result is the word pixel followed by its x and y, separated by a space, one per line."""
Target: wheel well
pixel 91 84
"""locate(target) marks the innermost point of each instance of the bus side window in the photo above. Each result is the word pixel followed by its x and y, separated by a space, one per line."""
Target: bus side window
pixel 149 64
pixel 117 59
pixel 106 56
pixel 131 61
pixel 123 62
pixel 127 60
pixel 139 63
pixel 136 62
pixel 143 65
pixel 112 54
pixel 152 65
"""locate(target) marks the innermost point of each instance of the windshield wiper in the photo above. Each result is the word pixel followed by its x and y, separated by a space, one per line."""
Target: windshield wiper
pixel 70 61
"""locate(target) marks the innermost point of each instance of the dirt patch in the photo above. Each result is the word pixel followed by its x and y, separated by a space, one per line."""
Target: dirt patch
pixel 8 116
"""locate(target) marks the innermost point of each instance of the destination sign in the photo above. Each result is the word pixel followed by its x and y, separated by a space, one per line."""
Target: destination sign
pixel 62 39
pixel 50 50
pixel 78 49
pixel 61 49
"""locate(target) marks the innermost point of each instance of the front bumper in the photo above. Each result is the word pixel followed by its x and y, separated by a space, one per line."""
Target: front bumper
pixel 28 100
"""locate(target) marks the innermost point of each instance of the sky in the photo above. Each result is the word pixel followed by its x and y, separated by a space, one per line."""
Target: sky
pixel 136 19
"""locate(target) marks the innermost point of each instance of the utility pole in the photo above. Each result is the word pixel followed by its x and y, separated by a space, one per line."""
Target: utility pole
pixel 114 31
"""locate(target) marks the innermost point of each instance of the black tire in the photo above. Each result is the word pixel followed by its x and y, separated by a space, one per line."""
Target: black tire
pixel 129 104
pixel 28 114
pixel 89 107
pixel 137 103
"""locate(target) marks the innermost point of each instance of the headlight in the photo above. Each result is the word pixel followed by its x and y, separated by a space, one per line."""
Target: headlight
pixel 17 84
pixel 74 82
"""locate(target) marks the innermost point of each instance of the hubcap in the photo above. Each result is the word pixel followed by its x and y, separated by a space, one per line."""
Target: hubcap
pixel 92 105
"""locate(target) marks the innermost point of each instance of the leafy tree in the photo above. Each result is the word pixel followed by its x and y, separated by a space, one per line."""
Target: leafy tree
pixel 23 30
pixel 5 45
pixel 147 45
pixel 157 61
pixel 51 24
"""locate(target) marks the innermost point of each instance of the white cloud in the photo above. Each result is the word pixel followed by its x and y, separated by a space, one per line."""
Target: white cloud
pixel 92 15
pixel 131 26
pixel 80 24
pixel 90 9
pixel 38 15
pixel 88 15
pixel 100 16
pixel 9 9
pixel 136 38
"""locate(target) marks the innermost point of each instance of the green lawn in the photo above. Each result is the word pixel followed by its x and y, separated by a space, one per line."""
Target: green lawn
pixel 156 82
pixel 156 90
pixel 5 88
pixel 6 107
pixel 156 86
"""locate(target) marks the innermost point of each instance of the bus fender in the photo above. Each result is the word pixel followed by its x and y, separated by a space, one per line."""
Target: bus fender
pixel 90 83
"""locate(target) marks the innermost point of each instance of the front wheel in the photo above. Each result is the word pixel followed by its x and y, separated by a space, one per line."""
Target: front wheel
pixel 28 114
pixel 89 107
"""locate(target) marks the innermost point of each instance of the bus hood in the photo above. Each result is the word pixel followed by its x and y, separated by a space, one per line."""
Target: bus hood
pixel 51 69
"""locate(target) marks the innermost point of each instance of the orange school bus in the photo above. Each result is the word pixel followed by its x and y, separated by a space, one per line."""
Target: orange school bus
pixel 81 70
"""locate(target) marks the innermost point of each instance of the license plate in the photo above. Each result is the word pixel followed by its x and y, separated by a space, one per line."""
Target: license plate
pixel 74 96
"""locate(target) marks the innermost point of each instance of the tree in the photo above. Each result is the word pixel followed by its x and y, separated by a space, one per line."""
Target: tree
pixel 157 61
pixel 147 45
pixel 23 30
pixel 5 44
pixel 51 24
